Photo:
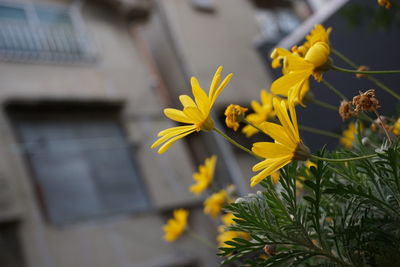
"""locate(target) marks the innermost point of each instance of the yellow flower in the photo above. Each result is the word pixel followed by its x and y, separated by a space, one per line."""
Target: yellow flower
pixel 227 219
pixel 225 236
pixel 396 127
pixel 348 136
pixel 386 3
pixel 287 146
pixel 176 225
pixel 317 34
pixel 205 176
pixel 262 112
pixel 310 164
pixel 298 68
pixel 234 114
pixel 214 204
pixel 195 113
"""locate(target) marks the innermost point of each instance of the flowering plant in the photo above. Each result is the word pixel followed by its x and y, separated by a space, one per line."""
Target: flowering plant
pixel 338 208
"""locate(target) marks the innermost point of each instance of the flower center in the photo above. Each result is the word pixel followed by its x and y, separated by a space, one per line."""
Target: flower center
pixel 207 124
pixel 302 152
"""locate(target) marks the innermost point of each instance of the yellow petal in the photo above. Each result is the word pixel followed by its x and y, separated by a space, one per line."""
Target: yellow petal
pixel 277 132
pixel 215 81
pixel 159 141
pixel 293 117
pixel 249 130
pixel 283 116
pixel 220 88
pixel 187 101
pixel 275 165
pixel 271 150
pixel 176 130
pixel 282 85
pixel 318 54
pixel 168 133
pixel 169 143
pixel 256 106
pixel 263 164
pixel 201 98
pixel 176 115
pixel 280 52
pixel 296 63
pixel 194 114
pixel 266 98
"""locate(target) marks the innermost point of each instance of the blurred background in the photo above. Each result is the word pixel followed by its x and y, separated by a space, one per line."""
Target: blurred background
pixel 82 88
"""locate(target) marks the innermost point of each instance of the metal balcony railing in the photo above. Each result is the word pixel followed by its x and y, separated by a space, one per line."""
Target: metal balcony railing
pixel 56 37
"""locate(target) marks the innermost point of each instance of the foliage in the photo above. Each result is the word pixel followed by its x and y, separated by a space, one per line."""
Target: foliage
pixel 348 215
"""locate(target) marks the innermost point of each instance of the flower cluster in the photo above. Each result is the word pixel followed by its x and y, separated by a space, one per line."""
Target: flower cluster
pixel 309 59
pixel 275 117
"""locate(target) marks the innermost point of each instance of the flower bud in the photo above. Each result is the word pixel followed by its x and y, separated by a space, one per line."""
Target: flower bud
pixel 318 54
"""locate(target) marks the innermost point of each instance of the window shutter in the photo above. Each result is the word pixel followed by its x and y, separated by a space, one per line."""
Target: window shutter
pixel 83 167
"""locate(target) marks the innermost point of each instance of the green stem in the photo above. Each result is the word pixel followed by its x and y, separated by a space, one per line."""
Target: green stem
pixel 383 127
pixel 344 58
pixel 371 78
pixel 324 104
pixel 233 142
pixel 319 131
pixel 199 238
pixel 333 89
pixel 366 71
pixel 344 160
pixel 365 116
pixel 383 86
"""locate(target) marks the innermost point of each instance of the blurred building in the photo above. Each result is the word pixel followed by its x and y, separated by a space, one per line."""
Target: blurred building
pixel 79 183
pixel 83 85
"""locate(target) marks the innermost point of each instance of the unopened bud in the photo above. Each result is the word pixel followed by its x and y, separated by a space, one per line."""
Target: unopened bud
pixel 362 75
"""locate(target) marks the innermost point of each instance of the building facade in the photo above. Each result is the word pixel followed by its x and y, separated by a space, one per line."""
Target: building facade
pixel 83 85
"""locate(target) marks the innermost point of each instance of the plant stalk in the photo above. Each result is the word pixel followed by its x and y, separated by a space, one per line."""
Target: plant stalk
pixel 233 142
pixel 199 238
pixel 369 77
pixel 319 131
pixel 334 89
pixel 324 105
pixel 365 71
pixel 344 160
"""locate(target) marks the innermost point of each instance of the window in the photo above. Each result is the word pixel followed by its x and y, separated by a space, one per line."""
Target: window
pixel 29 32
pixel 204 5
pixel 10 246
pixel 81 163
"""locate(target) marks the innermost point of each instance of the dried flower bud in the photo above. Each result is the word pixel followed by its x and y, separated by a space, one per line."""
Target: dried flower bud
pixel 234 114
pixel 362 68
pixel 366 101
pixel 270 250
pixel 346 110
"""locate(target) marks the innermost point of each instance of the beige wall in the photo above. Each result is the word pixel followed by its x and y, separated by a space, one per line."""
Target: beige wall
pixel 225 37
pixel 127 240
